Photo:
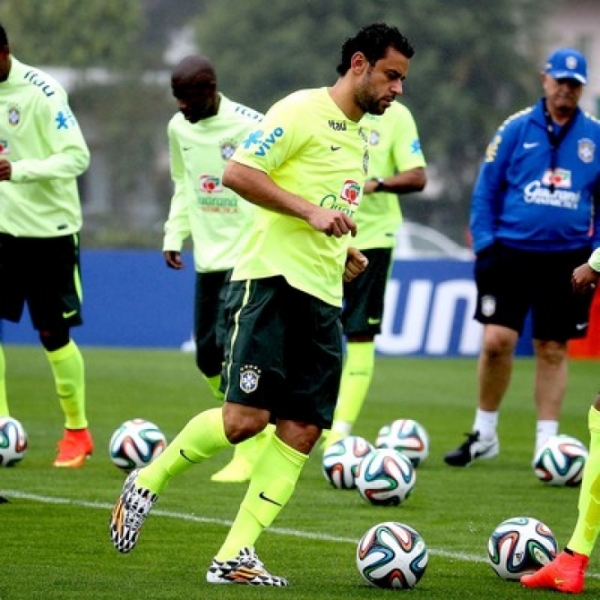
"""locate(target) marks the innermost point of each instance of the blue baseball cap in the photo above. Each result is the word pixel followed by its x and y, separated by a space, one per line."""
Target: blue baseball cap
pixel 567 63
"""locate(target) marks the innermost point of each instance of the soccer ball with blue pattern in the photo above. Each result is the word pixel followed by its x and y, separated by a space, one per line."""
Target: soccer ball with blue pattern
pixel 560 461
pixel 520 546
pixel 136 443
pixel 392 555
pixel 340 461
pixel 407 436
pixel 385 477
pixel 13 442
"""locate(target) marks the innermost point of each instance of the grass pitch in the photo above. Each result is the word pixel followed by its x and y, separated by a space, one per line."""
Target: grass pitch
pixel 54 529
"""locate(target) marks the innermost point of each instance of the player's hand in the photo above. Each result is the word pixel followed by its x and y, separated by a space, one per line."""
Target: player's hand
pixel 584 279
pixel 5 170
pixel 173 259
pixel 332 222
pixel 356 263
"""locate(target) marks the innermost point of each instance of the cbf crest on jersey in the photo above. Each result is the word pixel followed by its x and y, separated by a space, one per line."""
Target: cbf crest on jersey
pixel 227 149
pixel 374 138
pixel 14 116
pixel 586 150
pixel 249 378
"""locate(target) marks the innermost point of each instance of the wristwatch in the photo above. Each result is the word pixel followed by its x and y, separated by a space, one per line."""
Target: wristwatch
pixel 379 186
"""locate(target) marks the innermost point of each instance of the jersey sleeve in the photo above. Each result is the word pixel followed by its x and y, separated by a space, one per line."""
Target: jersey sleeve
pixel 67 153
pixel 283 132
pixel 406 149
pixel 177 225
pixel 489 187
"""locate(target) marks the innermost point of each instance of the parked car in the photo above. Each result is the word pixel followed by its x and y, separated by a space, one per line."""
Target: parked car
pixel 416 241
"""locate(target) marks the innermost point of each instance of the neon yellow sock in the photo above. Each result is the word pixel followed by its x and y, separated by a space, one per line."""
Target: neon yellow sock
pixel 588 520
pixel 252 448
pixel 3 399
pixel 213 383
pixel 271 486
pixel 202 437
pixel 356 379
pixel 69 378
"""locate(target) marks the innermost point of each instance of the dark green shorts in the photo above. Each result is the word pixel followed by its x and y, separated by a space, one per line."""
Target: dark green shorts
pixel 209 320
pixel 45 273
pixel 284 351
pixel 364 296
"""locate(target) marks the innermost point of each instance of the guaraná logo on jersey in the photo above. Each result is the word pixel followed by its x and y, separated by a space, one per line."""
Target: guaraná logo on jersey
pixel 350 192
pixel 264 142
pixel 210 184
pixel 4 149
pixel 559 178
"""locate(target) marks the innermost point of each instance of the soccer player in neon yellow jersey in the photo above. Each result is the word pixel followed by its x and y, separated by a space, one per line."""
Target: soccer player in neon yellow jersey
pixel 566 573
pixel 42 151
pixel 304 167
pixel 396 166
pixel 202 138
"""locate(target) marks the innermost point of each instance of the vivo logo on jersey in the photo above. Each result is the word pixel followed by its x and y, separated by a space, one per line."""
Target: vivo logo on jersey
pixel 264 142
pixel 431 315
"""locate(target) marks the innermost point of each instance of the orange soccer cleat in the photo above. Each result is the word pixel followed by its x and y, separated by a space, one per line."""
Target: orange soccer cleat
pixel 565 573
pixel 75 446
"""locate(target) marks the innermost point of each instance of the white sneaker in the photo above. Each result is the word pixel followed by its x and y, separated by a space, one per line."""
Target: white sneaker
pixel 245 568
pixel 130 512
pixel 473 449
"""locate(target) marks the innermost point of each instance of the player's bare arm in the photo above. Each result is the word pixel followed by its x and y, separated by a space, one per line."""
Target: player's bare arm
pixel 356 263
pixel 257 187
pixel 5 170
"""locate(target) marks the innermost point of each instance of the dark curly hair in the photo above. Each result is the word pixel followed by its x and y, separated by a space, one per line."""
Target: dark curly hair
pixel 373 41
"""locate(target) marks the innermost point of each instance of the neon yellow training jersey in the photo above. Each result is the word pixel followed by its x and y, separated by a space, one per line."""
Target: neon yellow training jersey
pixel 217 219
pixel 41 138
pixel 309 147
pixel 394 146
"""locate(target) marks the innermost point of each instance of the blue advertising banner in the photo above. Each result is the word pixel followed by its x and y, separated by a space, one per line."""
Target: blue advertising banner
pixel 131 299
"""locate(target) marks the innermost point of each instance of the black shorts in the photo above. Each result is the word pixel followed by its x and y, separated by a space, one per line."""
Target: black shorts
pixel 209 320
pixel 284 351
pixel 364 296
pixel 45 273
pixel 511 282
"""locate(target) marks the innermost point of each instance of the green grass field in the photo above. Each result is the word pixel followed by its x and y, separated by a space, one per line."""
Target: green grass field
pixel 54 529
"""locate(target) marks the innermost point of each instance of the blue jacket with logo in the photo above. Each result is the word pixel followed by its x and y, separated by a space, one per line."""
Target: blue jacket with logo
pixel 513 201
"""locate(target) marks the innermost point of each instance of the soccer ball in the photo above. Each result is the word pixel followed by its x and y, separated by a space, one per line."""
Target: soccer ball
pixel 136 443
pixel 520 546
pixel 341 459
pixel 13 441
pixel 385 477
pixel 560 461
pixel 392 555
pixel 407 436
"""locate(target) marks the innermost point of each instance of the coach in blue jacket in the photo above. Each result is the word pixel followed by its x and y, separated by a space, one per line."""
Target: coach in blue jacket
pixel 535 216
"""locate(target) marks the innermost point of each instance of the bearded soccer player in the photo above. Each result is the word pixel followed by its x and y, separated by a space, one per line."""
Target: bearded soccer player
pixel 304 167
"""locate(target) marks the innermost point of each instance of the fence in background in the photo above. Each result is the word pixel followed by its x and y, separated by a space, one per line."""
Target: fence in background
pixel 131 299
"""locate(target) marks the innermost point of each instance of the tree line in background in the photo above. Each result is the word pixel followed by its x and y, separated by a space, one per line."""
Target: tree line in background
pixel 475 63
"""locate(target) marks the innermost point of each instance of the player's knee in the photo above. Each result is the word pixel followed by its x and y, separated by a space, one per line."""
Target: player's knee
pixel 54 339
pixel 243 422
